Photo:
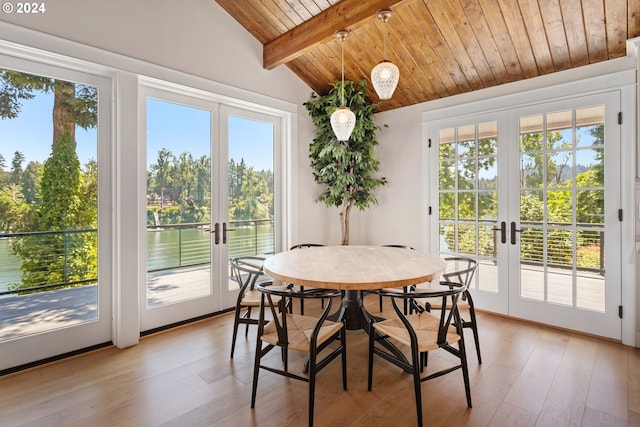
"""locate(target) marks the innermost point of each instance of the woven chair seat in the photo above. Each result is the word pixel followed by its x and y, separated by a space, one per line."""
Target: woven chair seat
pixel 251 298
pixel 299 330
pixel 425 326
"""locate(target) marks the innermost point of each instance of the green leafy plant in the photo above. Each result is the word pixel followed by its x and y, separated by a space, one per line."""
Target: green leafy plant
pixel 345 168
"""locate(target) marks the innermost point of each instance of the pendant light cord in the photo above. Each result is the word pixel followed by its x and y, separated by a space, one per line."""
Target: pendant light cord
pixel 342 44
pixel 384 41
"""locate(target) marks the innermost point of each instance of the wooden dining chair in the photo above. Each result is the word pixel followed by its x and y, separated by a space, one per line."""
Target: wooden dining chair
pixel 320 339
pixel 422 332
pixel 246 271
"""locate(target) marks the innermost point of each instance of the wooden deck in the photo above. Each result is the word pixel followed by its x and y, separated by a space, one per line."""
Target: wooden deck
pixel 23 315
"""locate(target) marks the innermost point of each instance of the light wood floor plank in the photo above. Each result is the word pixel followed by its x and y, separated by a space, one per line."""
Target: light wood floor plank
pixel 531 376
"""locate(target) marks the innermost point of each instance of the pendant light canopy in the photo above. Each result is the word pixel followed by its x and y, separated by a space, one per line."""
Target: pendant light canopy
pixel 386 74
pixel 343 120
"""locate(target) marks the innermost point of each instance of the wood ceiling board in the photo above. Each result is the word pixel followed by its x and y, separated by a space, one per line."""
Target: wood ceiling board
pixel 596 36
pixel 442 47
pixel 616 23
pixel 497 26
pixel 574 31
pixel 554 28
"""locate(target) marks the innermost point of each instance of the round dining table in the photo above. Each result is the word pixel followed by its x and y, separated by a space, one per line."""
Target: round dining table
pixel 353 269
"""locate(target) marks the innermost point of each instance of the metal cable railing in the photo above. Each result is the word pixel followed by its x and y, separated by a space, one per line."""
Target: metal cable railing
pixel 69 257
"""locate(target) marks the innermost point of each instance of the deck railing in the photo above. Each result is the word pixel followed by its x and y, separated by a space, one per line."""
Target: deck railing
pixel 169 247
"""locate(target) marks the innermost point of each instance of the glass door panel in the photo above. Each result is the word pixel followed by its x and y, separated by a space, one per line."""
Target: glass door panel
pixel 468 202
pixel 180 275
pixel 568 202
pixel 54 249
pixel 178 200
pixel 251 185
pixel 250 196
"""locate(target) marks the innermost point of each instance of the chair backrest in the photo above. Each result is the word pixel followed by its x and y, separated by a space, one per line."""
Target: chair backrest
pixel 398 246
pixel 305 245
pixel 449 293
pixel 246 270
pixel 283 295
pixel 460 270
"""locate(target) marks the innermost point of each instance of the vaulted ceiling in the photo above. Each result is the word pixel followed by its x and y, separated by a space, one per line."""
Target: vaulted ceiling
pixel 442 47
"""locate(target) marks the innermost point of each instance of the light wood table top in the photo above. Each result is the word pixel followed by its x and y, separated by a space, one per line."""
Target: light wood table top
pixel 354 267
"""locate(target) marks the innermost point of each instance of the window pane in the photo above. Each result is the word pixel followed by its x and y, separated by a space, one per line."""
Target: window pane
pixel 178 203
pixel 48 200
pixel 251 194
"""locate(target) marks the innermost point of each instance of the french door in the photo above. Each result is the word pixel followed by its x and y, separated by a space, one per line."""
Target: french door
pixel 564 227
pixel 531 193
pixel 55 225
pixel 210 196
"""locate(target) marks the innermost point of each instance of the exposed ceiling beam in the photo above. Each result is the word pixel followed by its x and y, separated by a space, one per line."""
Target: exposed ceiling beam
pixel 346 14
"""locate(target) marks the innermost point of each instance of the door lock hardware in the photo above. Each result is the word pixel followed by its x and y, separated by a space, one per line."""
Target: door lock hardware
pixel 503 231
pixel 513 232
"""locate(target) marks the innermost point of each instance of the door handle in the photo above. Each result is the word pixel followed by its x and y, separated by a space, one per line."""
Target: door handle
pixel 513 232
pixel 224 233
pixel 216 233
pixel 503 231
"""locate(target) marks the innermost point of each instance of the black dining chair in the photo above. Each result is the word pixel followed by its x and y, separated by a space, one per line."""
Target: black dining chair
pixel 303 246
pixel 404 288
pixel 462 270
pixel 321 339
pixel 246 271
pixel 422 332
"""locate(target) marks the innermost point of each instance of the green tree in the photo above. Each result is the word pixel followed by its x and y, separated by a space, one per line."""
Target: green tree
pixel 62 257
pixel 16 168
pixel 31 182
pixel 345 169
pixel 162 172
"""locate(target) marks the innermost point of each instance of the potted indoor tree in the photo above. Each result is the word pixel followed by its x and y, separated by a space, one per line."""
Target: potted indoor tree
pixel 345 168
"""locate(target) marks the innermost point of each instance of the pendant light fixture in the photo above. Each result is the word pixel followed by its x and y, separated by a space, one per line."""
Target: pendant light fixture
pixel 343 120
pixel 386 74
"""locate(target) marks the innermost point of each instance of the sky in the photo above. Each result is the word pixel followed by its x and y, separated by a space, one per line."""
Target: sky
pixel 181 128
pixel 175 127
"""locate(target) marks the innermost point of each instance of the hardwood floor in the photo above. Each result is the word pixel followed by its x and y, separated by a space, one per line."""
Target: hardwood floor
pixel 531 376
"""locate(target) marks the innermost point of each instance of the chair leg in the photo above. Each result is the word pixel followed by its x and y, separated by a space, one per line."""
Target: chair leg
pixel 312 385
pixel 343 344
pixel 380 302
pixel 372 333
pixel 236 321
pixel 465 371
pixel 256 371
pixel 474 329
pixel 417 384
pixel 248 316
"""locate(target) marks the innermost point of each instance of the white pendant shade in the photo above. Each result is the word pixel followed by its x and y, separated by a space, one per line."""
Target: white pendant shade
pixel 343 120
pixel 384 77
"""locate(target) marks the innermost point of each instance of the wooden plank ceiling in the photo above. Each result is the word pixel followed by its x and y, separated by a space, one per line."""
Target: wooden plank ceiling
pixel 442 47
